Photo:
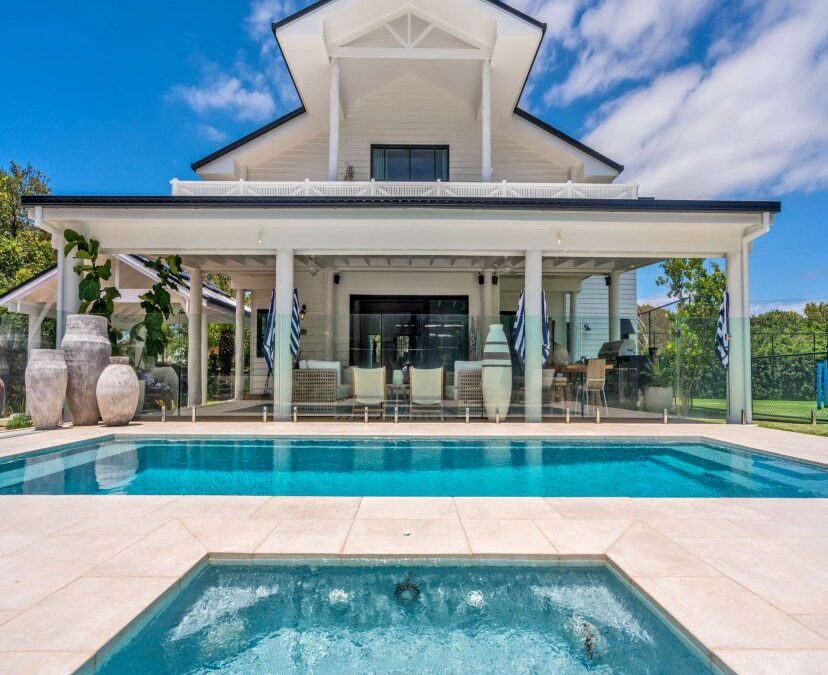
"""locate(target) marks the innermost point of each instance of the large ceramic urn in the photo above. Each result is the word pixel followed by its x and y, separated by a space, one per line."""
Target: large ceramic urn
pixel 117 392
pixel 87 348
pixel 168 376
pixel 46 378
pixel 497 374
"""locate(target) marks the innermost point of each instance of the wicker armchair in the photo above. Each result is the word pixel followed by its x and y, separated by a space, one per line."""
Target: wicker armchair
pixel 470 392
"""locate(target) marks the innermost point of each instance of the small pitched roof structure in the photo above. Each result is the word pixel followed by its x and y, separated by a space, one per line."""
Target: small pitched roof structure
pixel 461 32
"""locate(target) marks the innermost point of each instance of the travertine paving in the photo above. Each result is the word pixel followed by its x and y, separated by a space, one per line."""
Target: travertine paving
pixel 746 578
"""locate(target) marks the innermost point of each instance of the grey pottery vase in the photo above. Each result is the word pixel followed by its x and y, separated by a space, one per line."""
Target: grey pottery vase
pixel 87 350
pixel 117 392
pixel 46 378
pixel 497 374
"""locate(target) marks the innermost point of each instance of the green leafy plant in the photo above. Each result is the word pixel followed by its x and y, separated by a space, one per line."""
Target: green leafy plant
pixel 658 375
pixel 94 296
pixel 157 305
pixel 19 422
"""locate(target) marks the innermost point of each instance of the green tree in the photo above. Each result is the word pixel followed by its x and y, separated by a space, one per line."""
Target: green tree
pixel 24 250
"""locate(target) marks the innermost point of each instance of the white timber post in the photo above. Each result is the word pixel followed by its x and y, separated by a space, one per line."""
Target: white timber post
pixel 329 309
pixel 238 347
pixel 533 365
pixel 68 282
pixel 488 301
pixel 333 136
pixel 614 306
pixel 486 118
pixel 282 361
pixel 738 371
pixel 573 325
pixel 205 353
pixel 194 337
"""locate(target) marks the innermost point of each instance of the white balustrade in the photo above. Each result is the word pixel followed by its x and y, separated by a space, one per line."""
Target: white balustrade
pixel 438 189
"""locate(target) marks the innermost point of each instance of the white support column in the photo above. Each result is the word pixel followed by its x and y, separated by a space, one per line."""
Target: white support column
pixel 194 310
pixel 35 325
pixel 488 300
pixel 329 309
pixel 614 306
pixel 205 353
pixel 573 326
pixel 68 281
pixel 738 372
pixel 333 136
pixel 533 392
pixel 746 336
pixel 238 347
pixel 282 362
pixel 486 119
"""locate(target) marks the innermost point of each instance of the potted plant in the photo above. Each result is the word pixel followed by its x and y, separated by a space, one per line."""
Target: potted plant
pixel 658 392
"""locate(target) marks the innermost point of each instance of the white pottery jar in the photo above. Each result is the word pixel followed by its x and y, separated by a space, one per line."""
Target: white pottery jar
pixel 497 374
pixel 142 391
pixel 658 399
pixel 87 348
pixel 46 377
pixel 117 392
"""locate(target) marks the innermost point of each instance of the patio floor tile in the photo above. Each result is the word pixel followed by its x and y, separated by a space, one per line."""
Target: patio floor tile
pixel 83 616
pixel 770 662
pixel 426 537
pixel 35 571
pixel 725 615
pixel 692 528
pixel 581 537
pixel 42 663
pixel 311 537
pixel 641 551
pixel 402 508
pixel 604 508
pixel 816 622
pixel 769 570
pixel 313 508
pixel 505 508
pixel 506 537
pixel 226 535
pixel 211 507
pixel 169 551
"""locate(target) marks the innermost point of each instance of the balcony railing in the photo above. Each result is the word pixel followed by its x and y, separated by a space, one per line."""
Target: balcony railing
pixel 448 190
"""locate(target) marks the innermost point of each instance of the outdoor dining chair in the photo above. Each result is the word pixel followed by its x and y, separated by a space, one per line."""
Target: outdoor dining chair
pixel 426 390
pixel 594 383
pixel 369 390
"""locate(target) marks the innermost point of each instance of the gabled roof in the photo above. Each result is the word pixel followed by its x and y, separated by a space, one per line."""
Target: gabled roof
pixel 301 110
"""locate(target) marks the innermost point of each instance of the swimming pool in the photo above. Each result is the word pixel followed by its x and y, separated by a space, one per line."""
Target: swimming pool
pixel 395 617
pixel 411 467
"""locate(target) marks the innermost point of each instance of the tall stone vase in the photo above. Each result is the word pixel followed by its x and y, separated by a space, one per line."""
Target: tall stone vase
pixel 497 374
pixel 46 378
pixel 117 392
pixel 87 348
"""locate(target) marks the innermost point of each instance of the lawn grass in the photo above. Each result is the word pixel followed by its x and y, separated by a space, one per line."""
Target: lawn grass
pixel 797 427
pixel 794 410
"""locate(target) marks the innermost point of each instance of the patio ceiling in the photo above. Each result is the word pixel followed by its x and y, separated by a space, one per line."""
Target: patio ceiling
pixel 504 264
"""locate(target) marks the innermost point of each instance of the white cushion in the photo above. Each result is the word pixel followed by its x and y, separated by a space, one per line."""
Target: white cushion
pixel 303 364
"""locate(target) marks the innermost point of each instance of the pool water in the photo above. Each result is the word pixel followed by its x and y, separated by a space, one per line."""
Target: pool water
pixel 401 618
pixel 410 467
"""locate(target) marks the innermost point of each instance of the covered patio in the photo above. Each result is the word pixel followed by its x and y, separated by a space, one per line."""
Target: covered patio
pixel 463 262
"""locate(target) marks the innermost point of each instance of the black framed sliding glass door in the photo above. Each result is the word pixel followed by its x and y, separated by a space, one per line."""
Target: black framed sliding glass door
pixel 425 163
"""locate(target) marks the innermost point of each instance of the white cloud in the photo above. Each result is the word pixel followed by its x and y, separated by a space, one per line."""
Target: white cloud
pixel 754 119
pixel 211 133
pixel 228 94
pixel 627 40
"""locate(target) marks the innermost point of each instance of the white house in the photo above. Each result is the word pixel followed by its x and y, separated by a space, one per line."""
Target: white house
pixel 409 200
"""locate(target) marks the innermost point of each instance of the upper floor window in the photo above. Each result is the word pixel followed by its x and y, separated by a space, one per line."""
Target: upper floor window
pixel 410 162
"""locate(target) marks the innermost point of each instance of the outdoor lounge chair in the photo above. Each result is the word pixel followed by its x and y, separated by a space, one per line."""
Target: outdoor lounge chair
pixel 369 390
pixel 426 390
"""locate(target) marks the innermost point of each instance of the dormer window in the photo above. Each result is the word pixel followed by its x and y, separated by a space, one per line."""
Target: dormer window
pixel 424 163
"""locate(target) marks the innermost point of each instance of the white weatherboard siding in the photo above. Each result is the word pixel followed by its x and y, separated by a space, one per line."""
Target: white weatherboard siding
pixel 410 110
pixel 592 301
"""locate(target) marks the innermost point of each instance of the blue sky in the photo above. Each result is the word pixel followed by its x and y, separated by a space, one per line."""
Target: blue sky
pixel 697 98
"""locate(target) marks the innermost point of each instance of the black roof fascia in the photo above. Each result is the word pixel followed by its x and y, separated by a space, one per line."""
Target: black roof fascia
pixel 529 117
pixel 284 119
pixel 641 205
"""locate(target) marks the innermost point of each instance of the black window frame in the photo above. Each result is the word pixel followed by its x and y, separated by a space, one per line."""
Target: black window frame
pixel 409 147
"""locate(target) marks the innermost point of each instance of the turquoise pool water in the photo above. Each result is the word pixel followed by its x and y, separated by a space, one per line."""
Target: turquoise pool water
pixel 400 618
pixel 400 467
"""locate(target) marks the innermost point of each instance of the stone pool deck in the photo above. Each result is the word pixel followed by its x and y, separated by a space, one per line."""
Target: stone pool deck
pixel 747 579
